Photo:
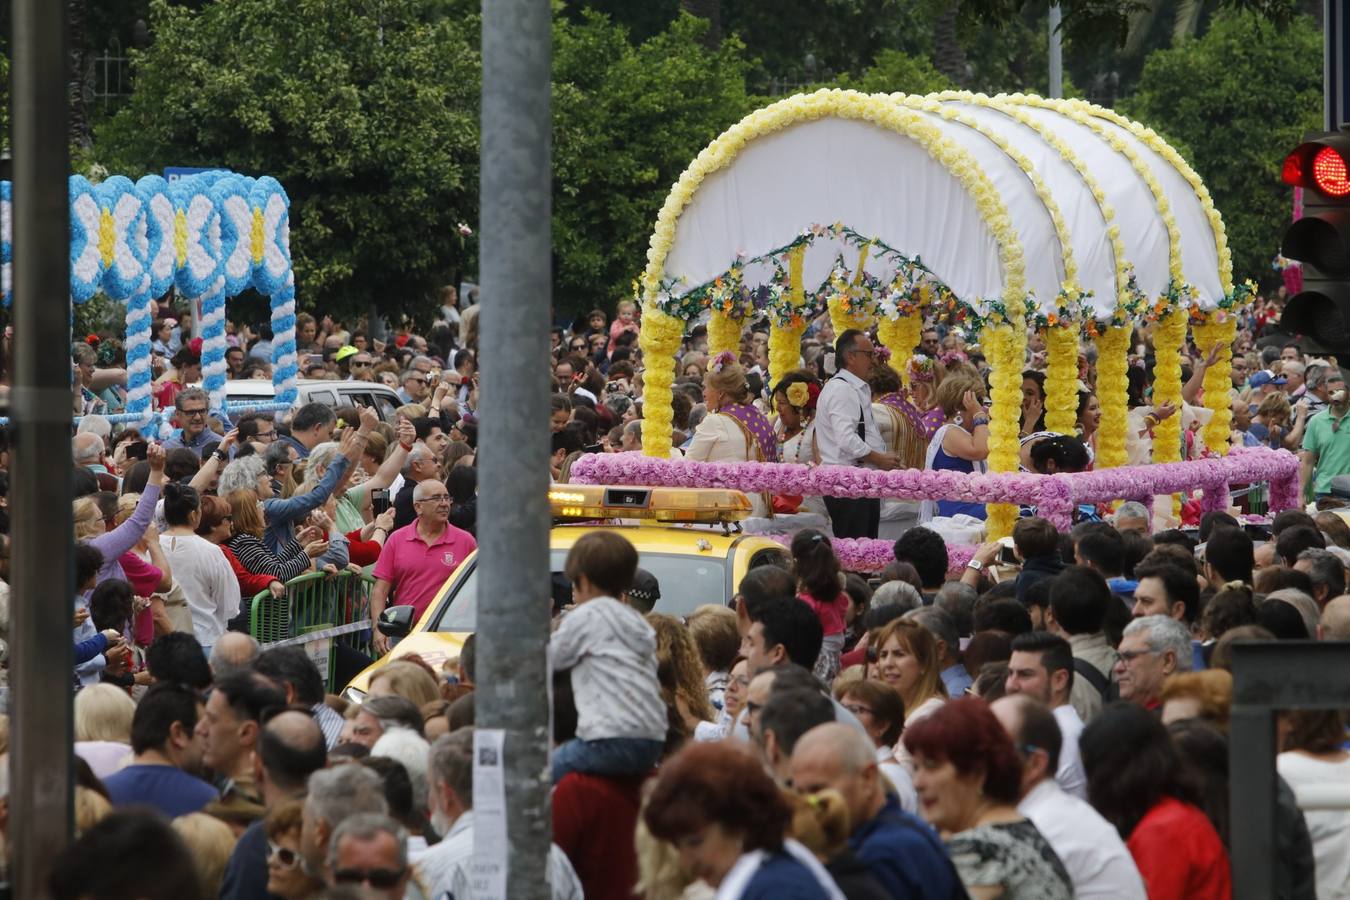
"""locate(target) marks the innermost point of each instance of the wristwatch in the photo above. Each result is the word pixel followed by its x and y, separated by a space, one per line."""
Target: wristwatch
pixel 976 565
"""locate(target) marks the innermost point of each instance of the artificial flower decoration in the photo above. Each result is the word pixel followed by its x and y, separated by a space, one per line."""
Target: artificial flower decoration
pixel 797 394
pixel 722 360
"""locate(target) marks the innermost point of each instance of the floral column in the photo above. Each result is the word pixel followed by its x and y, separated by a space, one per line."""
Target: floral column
pixel 659 339
pixel 1006 347
pixel 1061 377
pixel 1217 329
pixel 785 332
pixel 1113 347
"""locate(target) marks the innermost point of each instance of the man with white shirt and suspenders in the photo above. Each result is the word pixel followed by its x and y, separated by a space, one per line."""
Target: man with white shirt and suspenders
pixel 847 434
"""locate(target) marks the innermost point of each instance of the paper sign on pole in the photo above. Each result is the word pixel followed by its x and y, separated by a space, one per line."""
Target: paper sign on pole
pixel 489 814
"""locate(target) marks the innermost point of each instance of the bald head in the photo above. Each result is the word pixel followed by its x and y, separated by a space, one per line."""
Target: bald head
pixel 87 448
pixel 233 652
pixel 836 743
pixel 291 748
pixel 1335 624
pixel 838 756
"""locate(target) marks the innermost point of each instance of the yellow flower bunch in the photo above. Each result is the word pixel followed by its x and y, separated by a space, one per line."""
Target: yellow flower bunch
pixel 1006 344
pixel 1061 379
pixel 659 339
pixel 1218 330
pixel 1113 348
pixel 798 394
pixel 1168 341
pixel 785 344
pixel 724 333
pixel 900 336
pixel 1003 104
pixel 1150 139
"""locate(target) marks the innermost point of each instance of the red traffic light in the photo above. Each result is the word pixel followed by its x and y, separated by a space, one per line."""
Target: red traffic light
pixel 1329 173
pixel 1320 165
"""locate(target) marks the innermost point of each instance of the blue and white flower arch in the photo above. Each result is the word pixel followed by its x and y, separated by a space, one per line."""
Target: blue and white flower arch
pixel 212 235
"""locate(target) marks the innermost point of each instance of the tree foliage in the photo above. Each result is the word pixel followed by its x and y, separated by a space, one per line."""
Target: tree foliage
pixel 366 113
pixel 626 122
pixel 1240 98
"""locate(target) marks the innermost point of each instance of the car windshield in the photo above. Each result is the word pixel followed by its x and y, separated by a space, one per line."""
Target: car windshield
pixel 687 582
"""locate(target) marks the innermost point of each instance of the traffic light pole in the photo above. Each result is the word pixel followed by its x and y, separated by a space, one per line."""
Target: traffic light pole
pixel 1335 42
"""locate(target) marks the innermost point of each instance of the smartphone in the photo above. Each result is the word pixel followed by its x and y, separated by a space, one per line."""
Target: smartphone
pixel 1008 556
pixel 314 359
pixel 379 501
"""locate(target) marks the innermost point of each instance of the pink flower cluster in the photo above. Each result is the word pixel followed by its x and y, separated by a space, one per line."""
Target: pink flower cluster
pixel 871 555
pixel 1054 496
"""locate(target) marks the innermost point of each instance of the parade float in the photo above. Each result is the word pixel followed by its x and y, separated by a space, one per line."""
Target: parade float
pixel 1005 215
pixel 211 236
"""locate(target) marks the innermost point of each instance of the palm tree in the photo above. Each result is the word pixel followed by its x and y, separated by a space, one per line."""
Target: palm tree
pixel 948 56
pixel 1184 24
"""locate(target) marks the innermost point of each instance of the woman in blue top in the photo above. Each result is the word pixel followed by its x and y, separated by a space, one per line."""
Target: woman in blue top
pixel 960 445
pixel 723 813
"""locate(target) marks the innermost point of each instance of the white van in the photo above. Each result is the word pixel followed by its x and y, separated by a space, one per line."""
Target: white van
pixel 330 393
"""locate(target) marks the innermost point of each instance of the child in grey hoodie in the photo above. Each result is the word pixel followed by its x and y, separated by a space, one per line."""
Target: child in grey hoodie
pixel 611 652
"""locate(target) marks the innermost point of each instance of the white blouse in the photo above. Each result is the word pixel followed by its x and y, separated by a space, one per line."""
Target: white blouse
pixel 720 438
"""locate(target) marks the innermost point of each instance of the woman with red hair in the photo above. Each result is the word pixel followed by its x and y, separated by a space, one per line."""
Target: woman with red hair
pixel 968 779
pixel 724 814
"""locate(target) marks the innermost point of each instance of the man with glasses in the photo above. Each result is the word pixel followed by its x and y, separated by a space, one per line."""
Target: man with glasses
pixel 417 558
pixel 370 850
pixel 362 367
pixel 415 386
pixel 258 429
pixel 191 407
pixel 1153 648
pixel 847 434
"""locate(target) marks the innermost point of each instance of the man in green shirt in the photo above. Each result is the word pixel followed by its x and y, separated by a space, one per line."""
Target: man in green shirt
pixel 1326 448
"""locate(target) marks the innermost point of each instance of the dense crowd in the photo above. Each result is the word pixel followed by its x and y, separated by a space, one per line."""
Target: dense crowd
pixel 1048 721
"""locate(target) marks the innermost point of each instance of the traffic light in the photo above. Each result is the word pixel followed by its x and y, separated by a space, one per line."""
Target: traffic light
pixel 1321 240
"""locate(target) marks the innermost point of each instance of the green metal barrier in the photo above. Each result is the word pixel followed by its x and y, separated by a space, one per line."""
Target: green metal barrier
pixel 317 611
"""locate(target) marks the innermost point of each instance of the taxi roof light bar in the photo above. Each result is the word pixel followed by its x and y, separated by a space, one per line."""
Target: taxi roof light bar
pixel 687 505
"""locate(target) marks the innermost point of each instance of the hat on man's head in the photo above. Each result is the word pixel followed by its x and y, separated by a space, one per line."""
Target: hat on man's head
pixel 344 352
pixel 1263 378
pixel 645 591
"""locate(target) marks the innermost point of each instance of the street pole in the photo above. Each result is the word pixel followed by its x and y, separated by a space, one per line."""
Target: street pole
pixel 1335 38
pixel 513 554
pixel 1056 54
pixel 42 661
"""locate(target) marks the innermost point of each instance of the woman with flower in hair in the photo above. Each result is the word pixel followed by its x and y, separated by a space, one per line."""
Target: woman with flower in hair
pixel 794 398
pixel 908 417
pixel 733 430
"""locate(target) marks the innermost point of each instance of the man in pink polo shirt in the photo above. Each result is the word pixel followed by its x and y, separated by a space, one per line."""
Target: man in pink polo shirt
pixel 418 557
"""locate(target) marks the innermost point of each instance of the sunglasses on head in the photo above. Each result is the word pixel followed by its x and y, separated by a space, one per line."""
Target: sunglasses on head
pixel 380 879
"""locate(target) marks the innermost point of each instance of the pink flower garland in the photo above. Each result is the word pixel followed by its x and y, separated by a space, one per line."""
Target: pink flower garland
pixel 871 555
pixel 1054 496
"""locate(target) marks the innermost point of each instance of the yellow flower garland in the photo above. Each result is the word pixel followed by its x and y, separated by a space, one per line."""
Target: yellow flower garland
pixel 1006 345
pixel 1218 330
pixel 1150 139
pixel 879 109
pixel 1141 168
pixel 1061 379
pixel 952 113
pixel 1017 114
pixel 842 292
pixel 1113 347
pixel 785 343
pixel 900 336
pixel 724 333
pixel 660 339
pixel 1168 340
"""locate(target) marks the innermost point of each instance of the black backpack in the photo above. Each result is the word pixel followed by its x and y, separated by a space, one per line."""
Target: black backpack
pixel 1094 676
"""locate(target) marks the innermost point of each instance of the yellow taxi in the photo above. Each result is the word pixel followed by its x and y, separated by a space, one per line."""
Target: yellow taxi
pixel 685 537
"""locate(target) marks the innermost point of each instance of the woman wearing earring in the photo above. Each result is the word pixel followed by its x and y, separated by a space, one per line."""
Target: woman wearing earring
pixel 733 430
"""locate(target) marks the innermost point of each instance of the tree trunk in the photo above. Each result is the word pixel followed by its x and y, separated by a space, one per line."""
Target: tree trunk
pixel 77 51
pixel 948 57
pixel 710 10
